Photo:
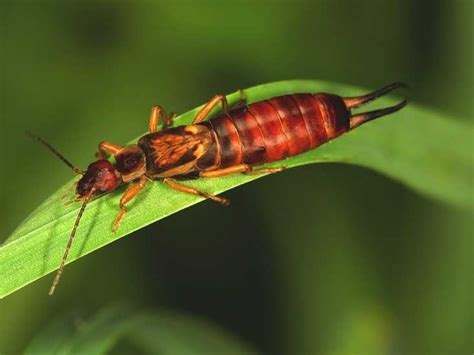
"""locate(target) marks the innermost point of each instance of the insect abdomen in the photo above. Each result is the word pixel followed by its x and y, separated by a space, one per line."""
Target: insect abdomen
pixel 277 128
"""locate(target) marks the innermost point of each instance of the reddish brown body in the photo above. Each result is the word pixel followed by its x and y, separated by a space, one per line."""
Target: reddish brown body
pixel 251 135
pixel 234 142
pixel 274 129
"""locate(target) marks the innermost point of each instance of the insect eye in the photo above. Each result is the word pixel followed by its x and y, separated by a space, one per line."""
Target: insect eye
pixel 83 188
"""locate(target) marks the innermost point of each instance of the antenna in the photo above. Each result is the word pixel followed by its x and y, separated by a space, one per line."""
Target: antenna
pixel 69 243
pixel 55 152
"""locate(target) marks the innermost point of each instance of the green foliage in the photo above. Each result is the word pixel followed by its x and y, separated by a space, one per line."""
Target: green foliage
pixel 324 259
pixel 414 146
pixel 161 332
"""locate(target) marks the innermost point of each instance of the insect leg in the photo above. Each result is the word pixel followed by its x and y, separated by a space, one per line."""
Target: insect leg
pixel 241 168
pixel 204 112
pixel 70 190
pixel 156 112
pixel 190 190
pixel 129 195
pixel 169 119
pixel 107 148
pixel 266 170
pixel 242 100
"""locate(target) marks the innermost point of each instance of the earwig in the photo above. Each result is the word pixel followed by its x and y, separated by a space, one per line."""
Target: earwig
pixel 236 141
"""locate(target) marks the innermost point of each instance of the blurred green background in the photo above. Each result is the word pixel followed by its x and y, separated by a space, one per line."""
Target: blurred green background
pixel 323 259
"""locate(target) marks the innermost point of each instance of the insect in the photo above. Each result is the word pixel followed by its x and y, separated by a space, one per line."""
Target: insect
pixel 236 141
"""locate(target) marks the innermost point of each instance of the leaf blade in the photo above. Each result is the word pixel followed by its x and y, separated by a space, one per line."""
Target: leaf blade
pixel 155 332
pixel 414 146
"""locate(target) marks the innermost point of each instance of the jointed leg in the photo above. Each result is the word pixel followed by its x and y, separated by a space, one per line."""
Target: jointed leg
pixel 169 120
pixel 242 101
pixel 242 168
pixel 156 112
pixel 129 195
pixel 201 116
pixel 266 170
pixel 107 148
pixel 190 190
pixel 67 194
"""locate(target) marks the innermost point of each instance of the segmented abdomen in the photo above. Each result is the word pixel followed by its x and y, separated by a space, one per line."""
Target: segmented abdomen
pixel 274 129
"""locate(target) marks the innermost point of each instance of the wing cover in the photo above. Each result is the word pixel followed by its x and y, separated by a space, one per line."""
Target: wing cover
pixel 174 151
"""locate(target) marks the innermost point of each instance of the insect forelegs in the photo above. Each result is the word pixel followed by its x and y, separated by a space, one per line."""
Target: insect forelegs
pixel 129 195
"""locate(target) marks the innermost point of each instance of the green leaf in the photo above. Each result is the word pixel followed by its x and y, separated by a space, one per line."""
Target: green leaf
pixel 427 151
pixel 160 332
